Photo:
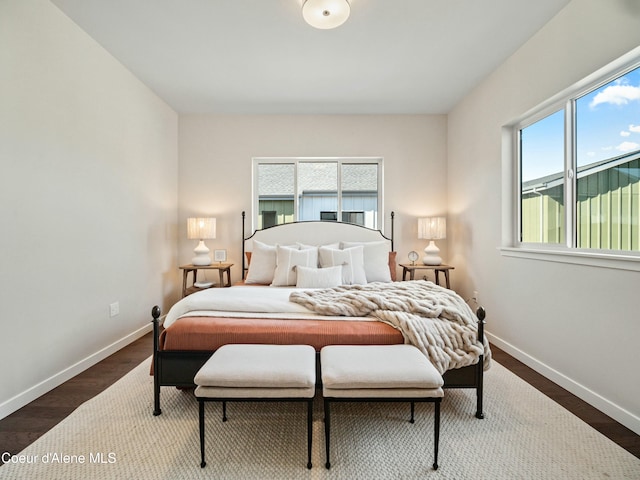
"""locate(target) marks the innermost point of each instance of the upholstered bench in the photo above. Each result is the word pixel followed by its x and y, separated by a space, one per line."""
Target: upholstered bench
pixel 379 373
pixel 258 373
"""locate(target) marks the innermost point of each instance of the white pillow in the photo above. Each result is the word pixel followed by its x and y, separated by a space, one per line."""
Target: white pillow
pixel 287 259
pixel 376 260
pixel 302 246
pixel 318 277
pixel 263 263
pixel 351 260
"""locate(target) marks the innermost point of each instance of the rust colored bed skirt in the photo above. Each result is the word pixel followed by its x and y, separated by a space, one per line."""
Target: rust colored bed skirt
pixel 210 333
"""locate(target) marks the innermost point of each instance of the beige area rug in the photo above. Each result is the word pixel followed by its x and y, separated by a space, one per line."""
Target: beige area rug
pixel 524 436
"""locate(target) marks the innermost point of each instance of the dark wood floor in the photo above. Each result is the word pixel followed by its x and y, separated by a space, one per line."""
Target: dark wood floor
pixel 26 425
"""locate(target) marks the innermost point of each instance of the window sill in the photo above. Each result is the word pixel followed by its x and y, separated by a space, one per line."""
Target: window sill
pixel 577 257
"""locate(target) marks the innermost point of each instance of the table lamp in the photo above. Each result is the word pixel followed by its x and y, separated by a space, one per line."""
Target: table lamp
pixel 201 229
pixel 432 228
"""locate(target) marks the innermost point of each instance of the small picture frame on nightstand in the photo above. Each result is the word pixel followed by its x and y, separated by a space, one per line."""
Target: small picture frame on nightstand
pixel 220 255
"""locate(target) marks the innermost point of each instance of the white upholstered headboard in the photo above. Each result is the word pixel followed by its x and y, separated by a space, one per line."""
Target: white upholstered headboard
pixel 312 233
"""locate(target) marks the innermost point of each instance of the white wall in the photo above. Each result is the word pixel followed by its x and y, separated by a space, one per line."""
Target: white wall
pixel 88 196
pixel 215 167
pixel 578 325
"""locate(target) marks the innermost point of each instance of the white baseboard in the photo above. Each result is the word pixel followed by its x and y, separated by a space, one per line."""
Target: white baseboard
pixel 616 412
pixel 29 395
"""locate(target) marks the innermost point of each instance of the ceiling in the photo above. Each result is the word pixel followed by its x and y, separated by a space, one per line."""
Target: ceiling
pixel 259 56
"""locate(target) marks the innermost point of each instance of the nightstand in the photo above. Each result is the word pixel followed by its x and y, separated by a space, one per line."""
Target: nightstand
pixel 221 267
pixel 411 270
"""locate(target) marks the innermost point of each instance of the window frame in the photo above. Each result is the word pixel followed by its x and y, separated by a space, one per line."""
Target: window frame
pixel 567 251
pixel 379 161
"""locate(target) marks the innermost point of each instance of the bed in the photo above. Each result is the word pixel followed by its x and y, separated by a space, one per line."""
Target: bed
pixel 321 283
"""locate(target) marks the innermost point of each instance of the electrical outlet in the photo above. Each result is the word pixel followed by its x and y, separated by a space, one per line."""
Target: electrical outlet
pixel 114 309
pixel 476 296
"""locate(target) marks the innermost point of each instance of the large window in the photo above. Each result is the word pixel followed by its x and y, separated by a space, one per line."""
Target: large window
pixel 579 168
pixel 296 189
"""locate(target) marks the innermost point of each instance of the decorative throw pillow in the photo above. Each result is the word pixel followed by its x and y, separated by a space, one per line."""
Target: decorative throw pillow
pixel 302 246
pixel 318 277
pixel 376 260
pixel 393 267
pixel 351 260
pixel 262 263
pixel 287 259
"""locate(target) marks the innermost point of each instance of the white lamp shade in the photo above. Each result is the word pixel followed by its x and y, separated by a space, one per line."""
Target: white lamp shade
pixel 201 228
pixel 432 228
pixel 326 14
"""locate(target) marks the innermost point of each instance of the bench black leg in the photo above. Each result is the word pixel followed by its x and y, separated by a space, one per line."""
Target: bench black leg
pixel 436 433
pixel 436 424
pixel 201 415
pixel 327 428
pixel 413 409
pixel 309 431
pixel 224 411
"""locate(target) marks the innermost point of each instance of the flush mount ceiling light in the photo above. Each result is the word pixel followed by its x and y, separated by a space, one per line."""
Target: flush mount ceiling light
pixel 326 14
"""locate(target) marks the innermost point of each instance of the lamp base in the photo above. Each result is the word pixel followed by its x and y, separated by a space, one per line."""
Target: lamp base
pixel 202 257
pixel 431 255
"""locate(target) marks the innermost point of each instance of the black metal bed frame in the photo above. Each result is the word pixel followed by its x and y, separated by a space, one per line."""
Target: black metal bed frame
pixel 177 368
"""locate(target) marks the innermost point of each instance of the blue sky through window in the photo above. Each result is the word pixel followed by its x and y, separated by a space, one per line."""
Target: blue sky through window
pixel 543 147
pixel 607 124
pixel 608 120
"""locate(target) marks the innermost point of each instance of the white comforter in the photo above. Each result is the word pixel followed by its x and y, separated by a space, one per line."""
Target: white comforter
pixel 246 302
pixel 432 318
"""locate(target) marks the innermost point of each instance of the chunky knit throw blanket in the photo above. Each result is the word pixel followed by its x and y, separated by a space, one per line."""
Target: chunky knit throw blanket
pixel 434 319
